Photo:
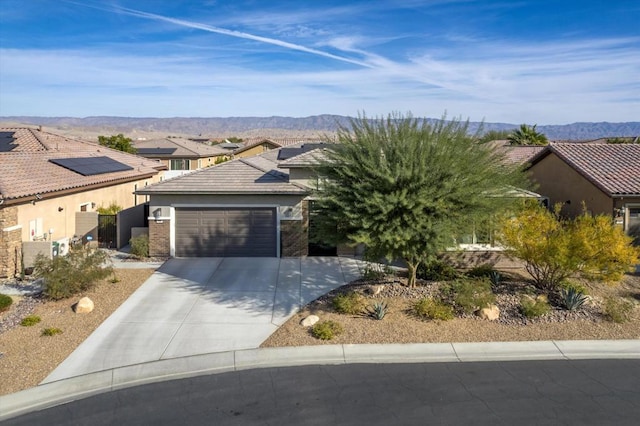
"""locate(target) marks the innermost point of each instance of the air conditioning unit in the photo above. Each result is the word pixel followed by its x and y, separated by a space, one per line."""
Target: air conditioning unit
pixel 63 246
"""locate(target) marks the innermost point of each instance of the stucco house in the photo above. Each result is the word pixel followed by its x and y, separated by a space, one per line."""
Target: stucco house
pixel 605 177
pixel 51 186
pixel 183 155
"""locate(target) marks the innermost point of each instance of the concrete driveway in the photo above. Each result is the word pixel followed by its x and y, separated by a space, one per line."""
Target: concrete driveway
pixel 203 305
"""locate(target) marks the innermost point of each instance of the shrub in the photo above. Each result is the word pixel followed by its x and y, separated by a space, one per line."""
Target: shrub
pixel 378 310
pixel 348 303
pixel 428 308
pixel 30 320
pixel 572 298
pixel 373 272
pixel 76 272
pixel 617 309
pixel 51 331
pixel 481 271
pixel 5 302
pixel 495 277
pixel 554 248
pixel 566 284
pixel 437 270
pixel 140 246
pixel 470 295
pixel 532 308
pixel 326 330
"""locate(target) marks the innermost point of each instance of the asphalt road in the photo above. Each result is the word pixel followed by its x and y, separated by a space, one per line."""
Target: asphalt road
pixel 590 392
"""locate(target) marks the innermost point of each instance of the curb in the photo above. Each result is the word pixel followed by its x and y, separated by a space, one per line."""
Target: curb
pixel 74 388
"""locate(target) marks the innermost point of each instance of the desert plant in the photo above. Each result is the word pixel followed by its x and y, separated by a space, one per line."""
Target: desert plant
pixel 378 310
pixel 554 248
pixel 495 277
pixel 140 246
pixel 429 308
pixel 30 320
pixel 617 309
pixel 469 295
pixel 373 272
pixel 326 330
pixel 67 275
pixel 572 298
pixel 481 271
pixel 5 302
pixel 532 308
pixel 51 331
pixel 348 303
pixel 437 270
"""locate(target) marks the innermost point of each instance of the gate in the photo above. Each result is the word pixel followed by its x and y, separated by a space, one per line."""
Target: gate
pixel 107 230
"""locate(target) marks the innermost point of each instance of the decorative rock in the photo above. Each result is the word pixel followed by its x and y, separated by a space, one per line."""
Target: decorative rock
pixel 542 298
pixel 309 321
pixel 377 289
pixel 491 313
pixel 84 306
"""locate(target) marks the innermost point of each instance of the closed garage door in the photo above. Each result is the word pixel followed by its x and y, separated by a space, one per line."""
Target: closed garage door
pixel 226 232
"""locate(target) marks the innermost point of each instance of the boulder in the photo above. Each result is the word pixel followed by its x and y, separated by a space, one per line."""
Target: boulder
pixel 84 306
pixel 491 313
pixel 309 321
pixel 375 290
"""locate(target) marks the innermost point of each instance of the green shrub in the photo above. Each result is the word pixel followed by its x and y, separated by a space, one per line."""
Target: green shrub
pixel 378 310
pixel 65 276
pixel 5 302
pixel 30 320
pixel 617 309
pixel 326 330
pixel 572 298
pixel 373 272
pixel 437 270
pixel 481 271
pixel 428 308
pixel 348 303
pixel 566 284
pixel 470 295
pixel 51 331
pixel 140 246
pixel 532 308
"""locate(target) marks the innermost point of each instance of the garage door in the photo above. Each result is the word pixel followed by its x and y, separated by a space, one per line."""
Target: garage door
pixel 226 232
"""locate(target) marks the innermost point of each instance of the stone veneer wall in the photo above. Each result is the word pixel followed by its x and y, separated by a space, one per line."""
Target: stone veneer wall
pixel 471 259
pixel 10 243
pixel 159 238
pixel 294 240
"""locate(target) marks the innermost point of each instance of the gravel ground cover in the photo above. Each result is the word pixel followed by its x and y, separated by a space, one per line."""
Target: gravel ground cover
pixel 401 326
pixel 27 357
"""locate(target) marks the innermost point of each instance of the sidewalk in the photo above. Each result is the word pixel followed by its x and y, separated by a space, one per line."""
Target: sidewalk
pixel 63 391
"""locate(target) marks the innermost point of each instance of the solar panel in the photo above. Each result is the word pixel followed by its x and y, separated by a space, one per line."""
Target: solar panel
pixel 89 166
pixel 156 151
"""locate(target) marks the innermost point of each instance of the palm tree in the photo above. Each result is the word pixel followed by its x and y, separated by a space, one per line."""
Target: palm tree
pixel 527 135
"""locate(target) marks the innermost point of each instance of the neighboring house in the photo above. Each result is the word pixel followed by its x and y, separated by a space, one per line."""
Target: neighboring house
pixel 255 146
pixel 183 155
pixel 605 177
pixel 51 186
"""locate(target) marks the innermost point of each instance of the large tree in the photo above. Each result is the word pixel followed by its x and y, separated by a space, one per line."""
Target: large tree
pixel 527 135
pixel 405 188
pixel 119 142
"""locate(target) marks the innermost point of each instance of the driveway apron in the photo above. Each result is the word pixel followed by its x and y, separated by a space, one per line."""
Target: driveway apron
pixel 203 305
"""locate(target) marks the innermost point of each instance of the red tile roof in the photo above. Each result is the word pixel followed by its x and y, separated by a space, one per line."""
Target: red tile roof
pixel 614 168
pixel 26 169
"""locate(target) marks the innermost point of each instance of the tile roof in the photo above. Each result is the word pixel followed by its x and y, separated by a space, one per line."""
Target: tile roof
pixel 26 169
pixel 614 168
pixel 520 154
pixel 306 159
pixel 253 175
pixel 184 148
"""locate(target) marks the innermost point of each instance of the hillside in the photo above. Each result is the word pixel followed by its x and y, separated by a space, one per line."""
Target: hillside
pixel 273 126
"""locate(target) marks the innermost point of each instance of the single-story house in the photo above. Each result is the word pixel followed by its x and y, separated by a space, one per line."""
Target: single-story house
pixel 183 155
pixel 258 145
pixel 255 206
pixel 605 177
pixel 51 186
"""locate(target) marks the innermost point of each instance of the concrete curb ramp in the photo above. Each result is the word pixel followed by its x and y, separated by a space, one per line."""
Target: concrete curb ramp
pixel 67 390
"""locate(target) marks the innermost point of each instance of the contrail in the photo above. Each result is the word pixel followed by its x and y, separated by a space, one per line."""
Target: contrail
pixel 218 30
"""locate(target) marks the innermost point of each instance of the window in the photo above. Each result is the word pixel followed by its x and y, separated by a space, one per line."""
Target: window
pixel 180 164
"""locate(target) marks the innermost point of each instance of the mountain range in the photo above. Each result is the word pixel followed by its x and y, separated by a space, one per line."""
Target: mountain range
pixel 267 126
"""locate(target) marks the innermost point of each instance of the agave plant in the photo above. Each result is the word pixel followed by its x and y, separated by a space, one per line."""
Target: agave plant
pixel 495 277
pixel 378 310
pixel 572 298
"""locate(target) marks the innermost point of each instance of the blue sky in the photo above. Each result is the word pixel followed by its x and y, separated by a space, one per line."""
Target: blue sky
pixel 528 61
